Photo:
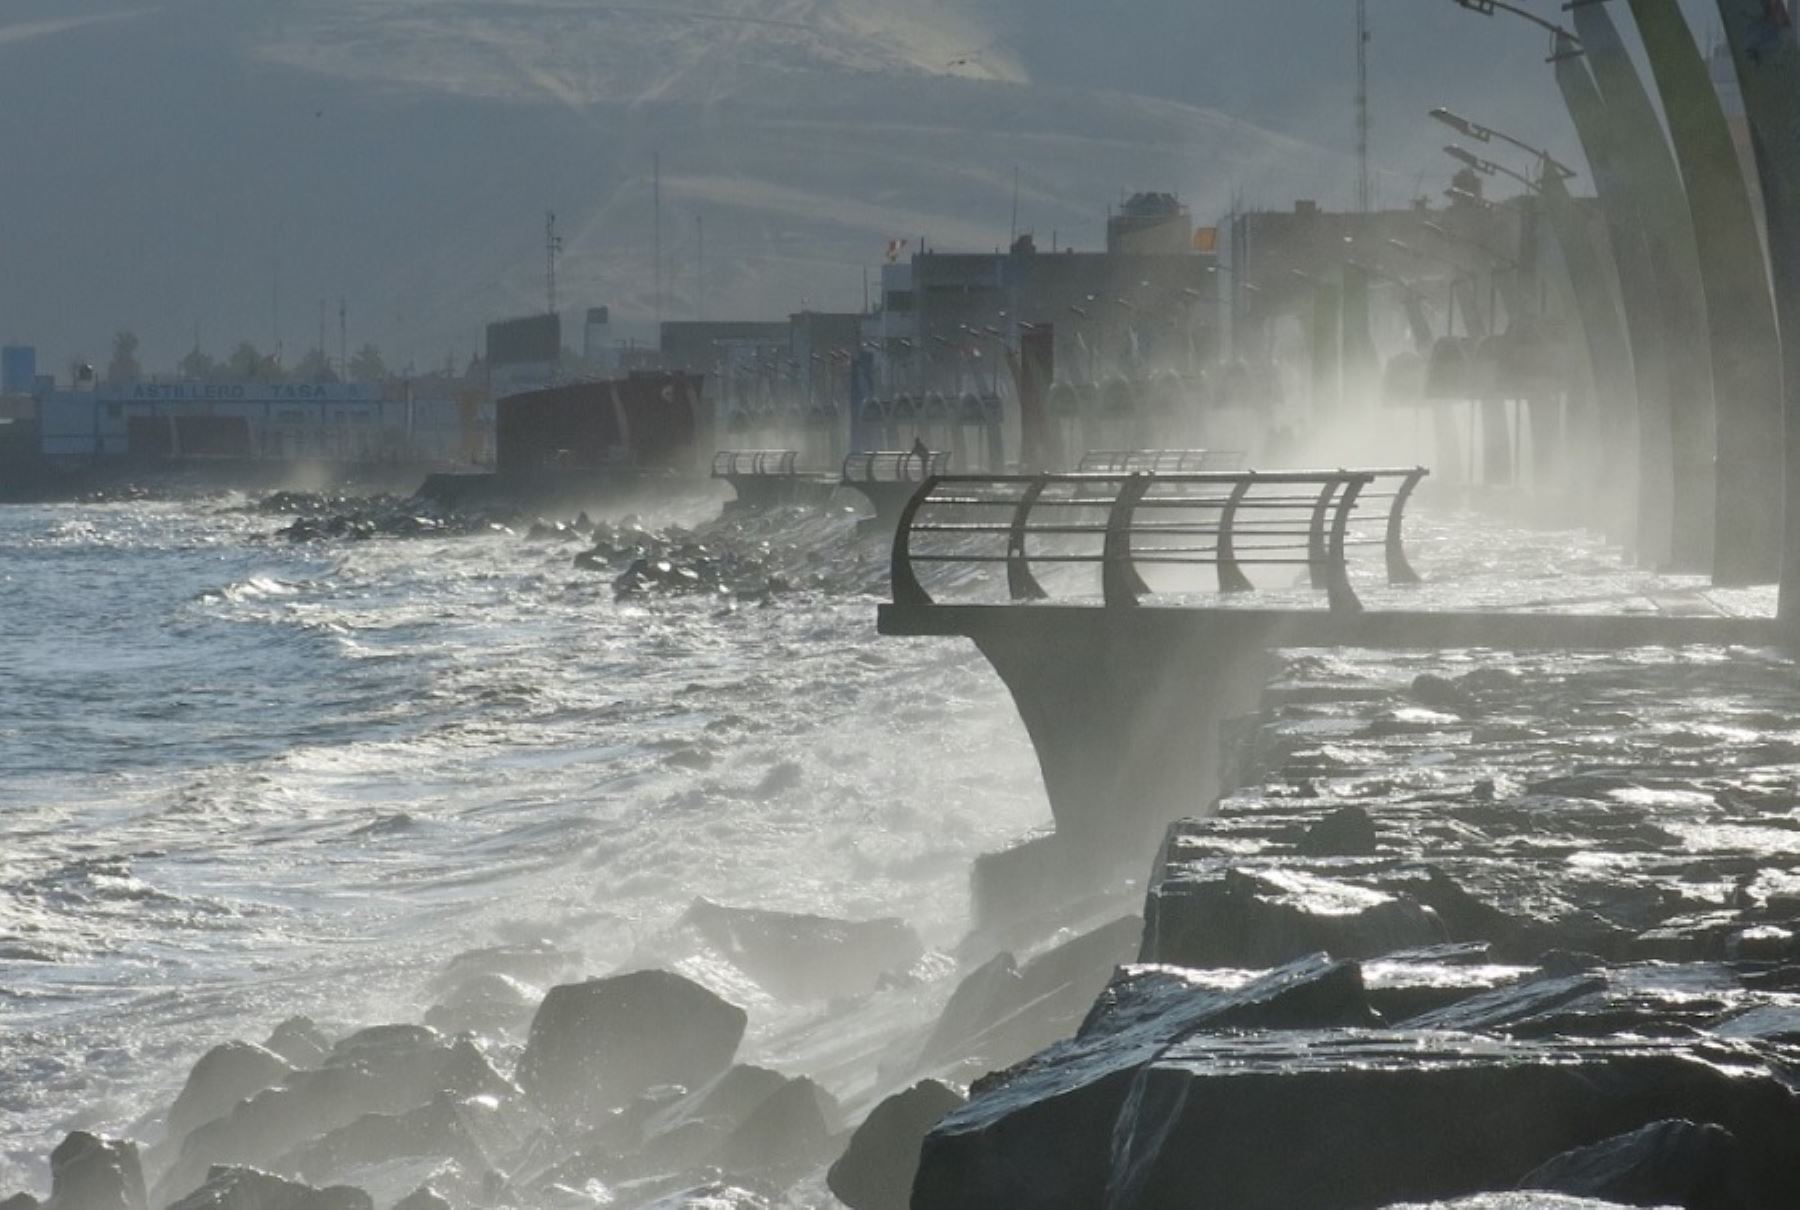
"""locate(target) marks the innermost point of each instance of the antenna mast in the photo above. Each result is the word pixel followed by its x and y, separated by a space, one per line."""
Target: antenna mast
pixel 1363 198
pixel 656 240
pixel 552 249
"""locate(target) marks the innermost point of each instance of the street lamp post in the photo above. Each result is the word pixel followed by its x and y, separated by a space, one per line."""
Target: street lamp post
pixel 1565 45
pixel 1487 134
pixel 1488 167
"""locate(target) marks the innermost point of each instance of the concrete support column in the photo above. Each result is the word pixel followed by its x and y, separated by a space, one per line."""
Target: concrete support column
pixel 1126 723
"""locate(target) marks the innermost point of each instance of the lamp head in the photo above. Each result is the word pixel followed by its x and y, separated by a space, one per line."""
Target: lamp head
pixel 1459 124
pixel 1464 156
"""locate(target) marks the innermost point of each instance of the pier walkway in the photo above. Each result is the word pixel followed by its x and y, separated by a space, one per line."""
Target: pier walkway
pixel 886 478
pixel 1120 611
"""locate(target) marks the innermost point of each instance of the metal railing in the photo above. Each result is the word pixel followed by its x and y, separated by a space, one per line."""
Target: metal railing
pixel 1227 520
pixel 895 466
pixel 1159 462
pixel 729 464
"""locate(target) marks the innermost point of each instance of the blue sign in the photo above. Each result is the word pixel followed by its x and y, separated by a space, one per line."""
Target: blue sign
pixel 243 392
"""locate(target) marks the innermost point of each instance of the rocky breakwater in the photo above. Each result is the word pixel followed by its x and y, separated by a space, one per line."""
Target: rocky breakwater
pixel 319 517
pixel 740 557
pixel 749 558
pixel 622 1091
pixel 1512 936
pixel 521 1087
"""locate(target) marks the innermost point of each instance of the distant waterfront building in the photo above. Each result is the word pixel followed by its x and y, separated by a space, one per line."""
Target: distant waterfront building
pixel 597 350
pixel 775 382
pixel 1288 268
pixel 523 354
pixel 644 421
pixel 262 421
pixel 947 318
pixel 1150 224
pixel 18 369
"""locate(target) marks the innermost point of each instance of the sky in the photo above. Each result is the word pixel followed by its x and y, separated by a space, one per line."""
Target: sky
pixel 226 170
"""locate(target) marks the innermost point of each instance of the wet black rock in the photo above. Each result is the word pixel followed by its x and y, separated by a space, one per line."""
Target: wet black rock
pixel 1361 1097
pixel 594 1046
pixel 358 518
pixel 423 1198
pixel 537 962
pixel 1413 982
pixel 555 531
pixel 1258 918
pixel 1512 1201
pixel 1654 999
pixel 447 1128
pixel 224 1076
pixel 715 1196
pixel 484 1004
pixel 240 1188
pixel 1002 1012
pixel 749 1121
pixel 791 1132
pixel 1439 693
pixel 385 1069
pixel 91 1173
pixel 1674 1163
pixel 1513 1007
pixel 877 1169
pixel 1040 1134
pixel 417 1063
pixel 724 1102
pixel 20 1201
pixel 801 957
pixel 268 1125
pixel 300 1042
pixel 1346 832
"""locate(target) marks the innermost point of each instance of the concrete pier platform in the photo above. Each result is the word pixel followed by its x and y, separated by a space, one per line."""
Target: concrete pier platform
pixel 1125 706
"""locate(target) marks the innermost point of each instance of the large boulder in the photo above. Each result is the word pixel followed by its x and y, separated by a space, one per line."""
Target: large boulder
pixel 789 1134
pixel 445 1128
pixel 877 1169
pixel 261 1129
pixel 534 962
pixel 715 1196
pixel 231 1188
pixel 487 1004
pixel 299 1042
pixel 1259 918
pixel 385 1069
pixel 418 1063
pixel 1346 832
pixel 424 1198
pixel 666 1132
pixel 1040 1134
pixel 1002 1011
pixel 1513 1201
pixel 224 1076
pixel 91 1173
pixel 723 1102
pixel 1392 1116
pixel 1675 1163
pixel 799 957
pixel 594 1046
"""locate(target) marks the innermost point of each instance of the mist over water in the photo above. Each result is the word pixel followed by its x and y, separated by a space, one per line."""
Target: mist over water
pixel 246 779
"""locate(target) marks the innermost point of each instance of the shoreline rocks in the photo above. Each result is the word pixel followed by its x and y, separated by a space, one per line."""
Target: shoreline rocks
pixel 594 1046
